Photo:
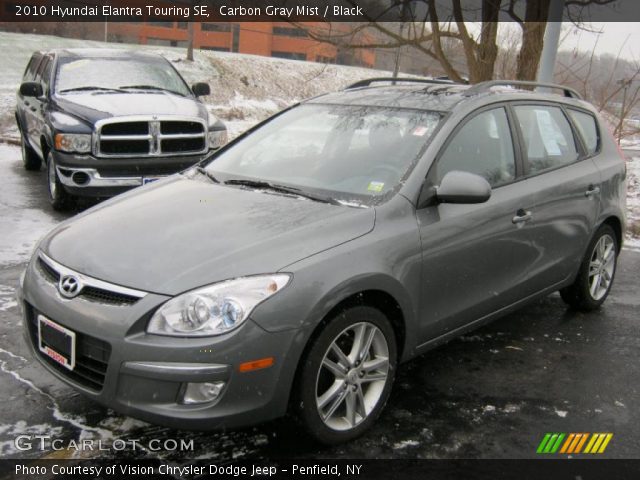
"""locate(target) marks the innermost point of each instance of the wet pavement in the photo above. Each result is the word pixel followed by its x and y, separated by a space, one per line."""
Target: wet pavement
pixel 493 393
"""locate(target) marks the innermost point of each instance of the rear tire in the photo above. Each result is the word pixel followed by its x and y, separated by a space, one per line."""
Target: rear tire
pixel 347 375
pixel 59 199
pixel 30 159
pixel 597 271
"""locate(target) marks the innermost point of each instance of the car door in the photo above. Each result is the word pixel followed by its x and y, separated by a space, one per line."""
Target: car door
pixel 23 104
pixel 567 183
pixel 476 257
pixel 37 105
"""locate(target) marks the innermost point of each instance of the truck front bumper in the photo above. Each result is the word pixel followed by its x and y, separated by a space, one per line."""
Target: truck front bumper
pixel 89 176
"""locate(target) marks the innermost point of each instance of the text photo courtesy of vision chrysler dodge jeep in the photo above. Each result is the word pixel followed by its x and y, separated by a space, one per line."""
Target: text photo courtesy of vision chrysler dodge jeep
pixel 104 120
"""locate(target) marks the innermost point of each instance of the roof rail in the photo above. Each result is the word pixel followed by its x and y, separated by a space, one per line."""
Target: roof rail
pixel 368 81
pixel 486 86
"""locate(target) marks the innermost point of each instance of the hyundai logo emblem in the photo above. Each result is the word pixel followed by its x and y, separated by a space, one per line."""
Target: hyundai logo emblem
pixel 69 286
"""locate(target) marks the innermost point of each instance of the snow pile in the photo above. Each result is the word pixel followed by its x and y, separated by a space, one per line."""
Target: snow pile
pixel 244 88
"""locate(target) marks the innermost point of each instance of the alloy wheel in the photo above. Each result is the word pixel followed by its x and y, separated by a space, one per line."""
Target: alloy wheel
pixel 51 178
pixel 352 376
pixel 601 267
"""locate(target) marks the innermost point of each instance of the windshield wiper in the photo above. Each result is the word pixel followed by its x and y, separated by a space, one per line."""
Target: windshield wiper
pixel 87 88
pixel 150 87
pixel 282 189
pixel 207 174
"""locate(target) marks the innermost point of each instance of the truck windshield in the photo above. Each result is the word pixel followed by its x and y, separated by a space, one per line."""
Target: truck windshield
pixel 119 74
pixel 344 152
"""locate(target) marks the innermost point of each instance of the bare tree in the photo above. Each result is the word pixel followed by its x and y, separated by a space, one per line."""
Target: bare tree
pixel 430 31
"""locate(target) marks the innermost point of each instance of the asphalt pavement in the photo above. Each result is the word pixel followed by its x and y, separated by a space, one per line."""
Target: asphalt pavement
pixel 493 393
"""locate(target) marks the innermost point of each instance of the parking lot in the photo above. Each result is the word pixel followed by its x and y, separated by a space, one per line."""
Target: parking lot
pixel 491 394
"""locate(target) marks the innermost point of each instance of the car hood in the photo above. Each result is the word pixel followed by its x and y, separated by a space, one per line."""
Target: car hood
pixel 94 106
pixel 183 233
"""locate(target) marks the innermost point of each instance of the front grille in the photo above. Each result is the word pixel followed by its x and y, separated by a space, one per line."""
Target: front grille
pixel 92 355
pixel 105 296
pixel 91 293
pixel 49 272
pixel 128 137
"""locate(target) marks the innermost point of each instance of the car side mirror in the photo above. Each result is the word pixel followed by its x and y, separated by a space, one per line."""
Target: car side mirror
pixel 199 89
pixel 31 89
pixel 463 187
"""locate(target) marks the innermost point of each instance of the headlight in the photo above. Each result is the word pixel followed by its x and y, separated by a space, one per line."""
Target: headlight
pixel 217 138
pixel 216 309
pixel 73 142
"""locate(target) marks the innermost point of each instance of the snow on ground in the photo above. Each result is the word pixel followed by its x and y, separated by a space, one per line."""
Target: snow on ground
pixel 244 88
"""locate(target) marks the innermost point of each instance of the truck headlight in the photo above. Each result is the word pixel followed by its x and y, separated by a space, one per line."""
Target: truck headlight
pixel 217 138
pixel 73 142
pixel 216 309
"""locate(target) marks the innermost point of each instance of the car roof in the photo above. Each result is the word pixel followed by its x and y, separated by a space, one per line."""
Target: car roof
pixel 101 53
pixel 442 96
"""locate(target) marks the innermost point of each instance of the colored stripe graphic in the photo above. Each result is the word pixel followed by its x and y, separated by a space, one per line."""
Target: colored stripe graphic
pixel 569 443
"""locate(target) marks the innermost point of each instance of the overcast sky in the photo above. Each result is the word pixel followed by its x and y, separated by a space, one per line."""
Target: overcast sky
pixel 614 36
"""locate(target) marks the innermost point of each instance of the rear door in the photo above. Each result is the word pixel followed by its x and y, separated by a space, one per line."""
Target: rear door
pixel 567 181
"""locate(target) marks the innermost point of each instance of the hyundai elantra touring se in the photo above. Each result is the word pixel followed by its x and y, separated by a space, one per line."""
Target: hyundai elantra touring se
pixel 296 267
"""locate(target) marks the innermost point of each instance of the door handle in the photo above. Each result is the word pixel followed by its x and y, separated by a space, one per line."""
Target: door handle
pixel 593 190
pixel 522 216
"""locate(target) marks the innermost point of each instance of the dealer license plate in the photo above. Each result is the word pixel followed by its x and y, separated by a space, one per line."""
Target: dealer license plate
pixel 57 342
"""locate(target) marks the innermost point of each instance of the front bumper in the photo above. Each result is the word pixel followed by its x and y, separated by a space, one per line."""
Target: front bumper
pixel 145 375
pixel 86 175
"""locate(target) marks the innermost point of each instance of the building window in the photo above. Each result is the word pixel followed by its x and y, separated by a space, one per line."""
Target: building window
pixel 162 24
pixel 290 32
pixel 289 55
pixel 215 27
pixel 183 25
pixel 323 59
pixel 215 49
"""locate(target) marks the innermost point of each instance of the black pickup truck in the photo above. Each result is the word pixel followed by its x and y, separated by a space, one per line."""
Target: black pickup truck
pixel 104 121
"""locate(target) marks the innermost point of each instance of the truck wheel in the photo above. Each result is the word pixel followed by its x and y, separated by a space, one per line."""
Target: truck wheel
pixel 595 278
pixel 30 159
pixel 347 375
pixel 60 200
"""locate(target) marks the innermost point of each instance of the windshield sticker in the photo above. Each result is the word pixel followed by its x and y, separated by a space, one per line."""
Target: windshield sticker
pixel 420 131
pixel 375 186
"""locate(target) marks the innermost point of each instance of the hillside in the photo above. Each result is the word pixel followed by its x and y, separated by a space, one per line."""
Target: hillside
pixel 245 88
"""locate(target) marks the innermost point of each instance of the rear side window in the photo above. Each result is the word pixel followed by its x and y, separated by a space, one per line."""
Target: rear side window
pixel 482 146
pixel 588 128
pixel 548 138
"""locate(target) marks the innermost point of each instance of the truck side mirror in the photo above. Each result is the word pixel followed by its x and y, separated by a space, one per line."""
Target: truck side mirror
pixel 199 89
pixel 31 89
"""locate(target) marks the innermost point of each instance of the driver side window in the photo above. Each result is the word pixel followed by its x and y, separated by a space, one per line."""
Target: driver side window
pixel 483 146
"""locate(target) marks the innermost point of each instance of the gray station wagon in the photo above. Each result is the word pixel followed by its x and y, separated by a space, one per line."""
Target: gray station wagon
pixel 296 267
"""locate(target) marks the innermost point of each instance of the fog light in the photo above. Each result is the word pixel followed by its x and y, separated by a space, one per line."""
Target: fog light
pixel 201 392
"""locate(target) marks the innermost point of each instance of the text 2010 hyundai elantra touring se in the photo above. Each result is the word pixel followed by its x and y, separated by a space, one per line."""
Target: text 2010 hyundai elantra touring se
pixel 303 262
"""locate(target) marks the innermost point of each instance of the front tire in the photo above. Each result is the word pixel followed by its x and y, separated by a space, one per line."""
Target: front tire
pixel 30 159
pixel 59 199
pixel 597 271
pixel 347 375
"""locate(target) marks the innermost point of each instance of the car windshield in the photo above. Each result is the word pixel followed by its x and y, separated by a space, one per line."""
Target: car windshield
pixel 125 74
pixel 358 153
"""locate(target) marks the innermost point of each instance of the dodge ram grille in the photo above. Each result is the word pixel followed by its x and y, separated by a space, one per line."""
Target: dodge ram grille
pixel 129 137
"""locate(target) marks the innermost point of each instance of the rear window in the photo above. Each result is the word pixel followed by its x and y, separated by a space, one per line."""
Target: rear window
pixel 588 128
pixel 548 137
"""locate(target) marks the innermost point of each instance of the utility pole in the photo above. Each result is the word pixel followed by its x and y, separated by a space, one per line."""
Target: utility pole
pixel 624 83
pixel 551 41
pixel 403 14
